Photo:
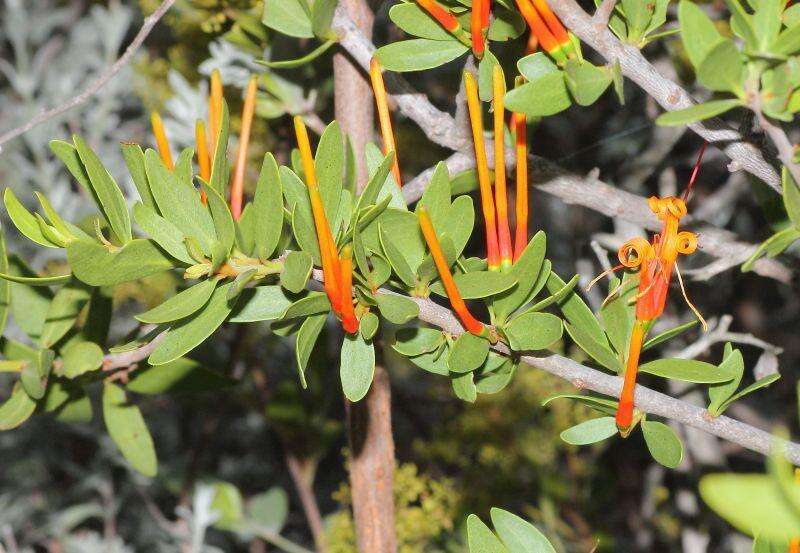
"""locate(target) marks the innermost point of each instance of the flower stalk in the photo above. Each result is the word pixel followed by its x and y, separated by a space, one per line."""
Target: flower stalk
pixel 337 271
pixel 471 324
pixel 487 203
pixel 385 120
pixel 237 184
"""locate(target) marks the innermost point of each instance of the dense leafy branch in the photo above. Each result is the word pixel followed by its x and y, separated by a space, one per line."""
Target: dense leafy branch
pixel 670 95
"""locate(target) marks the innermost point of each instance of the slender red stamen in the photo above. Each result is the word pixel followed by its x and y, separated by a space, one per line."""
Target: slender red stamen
pixel 695 171
pixel 521 231
pixel 237 185
pixel 470 323
pixel 379 91
pixel 487 203
pixel 162 144
pixel 500 194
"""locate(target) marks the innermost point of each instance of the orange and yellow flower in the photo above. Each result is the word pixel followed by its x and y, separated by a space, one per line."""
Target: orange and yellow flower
pixel 337 272
pixel 385 120
pixel 550 34
pixel 471 324
pixel 445 19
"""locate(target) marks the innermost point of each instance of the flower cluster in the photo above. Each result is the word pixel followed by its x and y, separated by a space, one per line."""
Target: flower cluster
pixel 337 269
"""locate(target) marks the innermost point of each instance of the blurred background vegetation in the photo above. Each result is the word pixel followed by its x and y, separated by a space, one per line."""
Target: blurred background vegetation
pixel 63 487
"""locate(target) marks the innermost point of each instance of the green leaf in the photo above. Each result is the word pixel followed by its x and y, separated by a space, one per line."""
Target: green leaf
pixel 533 331
pixel 16 409
pixel 436 198
pixel 732 363
pixel 397 309
pixel 478 284
pixel 134 159
pixel 223 220
pixel 788 42
pixel 722 69
pixel 547 95
pixel 368 325
pixel 555 298
pixel 535 65
pixel 773 246
pixel 180 376
pixel 306 339
pixel 109 196
pixel 481 539
pixel 180 305
pixel 81 358
pixel 697 112
pixel 5 285
pixel 698 32
pixel 526 271
pixel 296 195
pixel 179 202
pixel 268 510
pixel 24 221
pixel 397 259
pixel 329 163
pixel 603 405
pixel 485 76
pixel 462 223
pixel 586 82
pixel 34 375
pixel 302 60
pixel 464 387
pixel 668 334
pixel 128 430
pixel 313 303
pixel 791 197
pixel 591 431
pixel 687 370
pixel 37 281
pixel 418 54
pixel 505 25
pixel 767 21
pixel 576 311
pixel 95 265
pixel 742 24
pixel 296 270
pixel 187 335
pixel 637 17
pixel 467 353
pixel 416 22
pixel 357 366
pixel 757 385
pixel 68 155
pixel 417 340
pixel 617 314
pixel 664 445
pixel 753 503
pixel 220 173
pixel 63 312
pixel 518 535
pixel 321 17
pixel 162 232
pixel 495 374
pixel 600 352
pixel 262 303
pixel 290 17
pixel 267 209
pixel 227 503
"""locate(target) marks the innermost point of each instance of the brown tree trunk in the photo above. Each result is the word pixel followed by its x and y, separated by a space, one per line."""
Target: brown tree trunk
pixel 369 425
pixel 369 422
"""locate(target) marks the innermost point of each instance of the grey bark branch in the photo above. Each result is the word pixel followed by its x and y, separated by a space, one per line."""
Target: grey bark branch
pixel 98 83
pixel 667 93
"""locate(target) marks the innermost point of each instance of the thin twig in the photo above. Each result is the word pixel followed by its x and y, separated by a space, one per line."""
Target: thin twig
pixel 603 13
pixel 98 83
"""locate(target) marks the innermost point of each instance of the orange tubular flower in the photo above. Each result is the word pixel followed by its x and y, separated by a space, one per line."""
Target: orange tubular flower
pixel 203 160
pixel 348 313
pixel 487 203
pixel 470 323
pixel 327 250
pixel 486 15
pixel 794 545
pixel 521 236
pixel 445 19
pixel 500 194
pixel 539 29
pixel 555 26
pixel 237 185
pixel 215 109
pixel 379 91
pixel 161 140
pixel 476 27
